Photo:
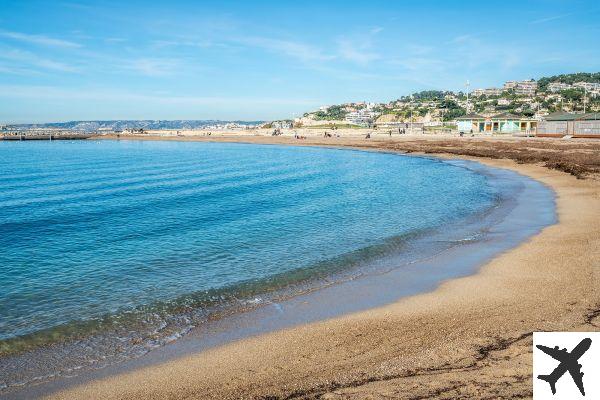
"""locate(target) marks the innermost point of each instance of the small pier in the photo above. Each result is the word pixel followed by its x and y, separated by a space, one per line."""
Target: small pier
pixel 29 136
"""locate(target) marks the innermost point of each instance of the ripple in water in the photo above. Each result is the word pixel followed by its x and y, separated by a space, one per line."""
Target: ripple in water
pixel 110 248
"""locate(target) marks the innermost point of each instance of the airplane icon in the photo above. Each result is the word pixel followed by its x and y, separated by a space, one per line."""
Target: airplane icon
pixel 568 362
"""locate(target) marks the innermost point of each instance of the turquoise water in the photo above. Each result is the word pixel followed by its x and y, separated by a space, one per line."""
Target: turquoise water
pixel 131 235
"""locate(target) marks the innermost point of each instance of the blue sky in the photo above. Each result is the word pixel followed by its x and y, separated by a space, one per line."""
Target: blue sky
pixel 80 60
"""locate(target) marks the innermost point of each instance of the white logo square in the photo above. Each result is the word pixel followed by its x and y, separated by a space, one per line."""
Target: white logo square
pixel 566 365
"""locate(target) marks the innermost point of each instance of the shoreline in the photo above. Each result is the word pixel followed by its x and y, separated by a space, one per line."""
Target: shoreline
pixel 314 369
pixel 574 157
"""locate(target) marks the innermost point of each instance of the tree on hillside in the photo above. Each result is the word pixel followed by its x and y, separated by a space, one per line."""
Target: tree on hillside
pixel 569 79
pixel 572 94
pixel 454 113
pixel 429 95
pixel 451 110
pixel 333 113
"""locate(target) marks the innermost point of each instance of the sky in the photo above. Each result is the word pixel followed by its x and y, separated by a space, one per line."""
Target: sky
pixel 264 60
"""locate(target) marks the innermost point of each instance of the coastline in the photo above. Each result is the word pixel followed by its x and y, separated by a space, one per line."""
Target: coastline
pixel 385 348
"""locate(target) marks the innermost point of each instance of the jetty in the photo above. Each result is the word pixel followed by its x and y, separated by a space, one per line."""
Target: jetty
pixel 25 136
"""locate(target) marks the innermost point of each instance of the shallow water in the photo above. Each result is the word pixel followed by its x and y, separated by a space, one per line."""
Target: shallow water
pixel 90 228
pixel 145 240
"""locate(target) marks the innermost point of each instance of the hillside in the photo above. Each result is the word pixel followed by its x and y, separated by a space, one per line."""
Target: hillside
pixel 570 78
pixel 529 98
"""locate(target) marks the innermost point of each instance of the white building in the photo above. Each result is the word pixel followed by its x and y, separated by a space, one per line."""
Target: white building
pixel 522 87
pixel 283 124
pixel 589 86
pixel 487 92
pixel 555 87
pixel 503 102
pixel 526 88
pixel 361 117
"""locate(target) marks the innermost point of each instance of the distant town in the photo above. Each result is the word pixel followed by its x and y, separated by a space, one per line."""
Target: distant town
pixel 567 104
pixel 574 93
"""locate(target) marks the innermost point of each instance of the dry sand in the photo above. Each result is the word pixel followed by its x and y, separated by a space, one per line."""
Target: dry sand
pixel 470 338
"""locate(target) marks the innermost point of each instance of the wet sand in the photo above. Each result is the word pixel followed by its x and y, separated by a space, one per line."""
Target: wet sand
pixel 471 337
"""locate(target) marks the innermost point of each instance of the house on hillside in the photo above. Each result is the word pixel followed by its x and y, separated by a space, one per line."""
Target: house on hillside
pixel 362 117
pixel 556 87
pixel 486 92
pixel 522 87
pixel 589 86
pixel 500 123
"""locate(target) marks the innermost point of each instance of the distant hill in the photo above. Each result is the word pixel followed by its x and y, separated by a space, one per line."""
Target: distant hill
pixel 569 78
pixel 92 126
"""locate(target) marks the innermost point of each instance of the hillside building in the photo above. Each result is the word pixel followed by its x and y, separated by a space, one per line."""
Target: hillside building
pixel 362 117
pixel 522 87
pixel 555 87
pixel 589 86
pixel 486 92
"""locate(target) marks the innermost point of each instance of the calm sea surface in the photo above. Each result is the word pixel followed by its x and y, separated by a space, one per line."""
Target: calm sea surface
pixel 149 237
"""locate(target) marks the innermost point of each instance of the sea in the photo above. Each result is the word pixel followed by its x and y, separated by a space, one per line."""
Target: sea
pixel 112 248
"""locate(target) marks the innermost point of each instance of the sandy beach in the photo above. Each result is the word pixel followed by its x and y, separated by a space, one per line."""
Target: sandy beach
pixel 470 338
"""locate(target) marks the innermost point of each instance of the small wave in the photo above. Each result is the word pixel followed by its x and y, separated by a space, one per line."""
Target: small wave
pixel 256 300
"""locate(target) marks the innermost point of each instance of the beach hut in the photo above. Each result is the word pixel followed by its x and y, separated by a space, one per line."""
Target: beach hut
pixel 470 123
pixel 500 123
pixel 561 124
pixel 557 124
pixel 587 126
pixel 508 123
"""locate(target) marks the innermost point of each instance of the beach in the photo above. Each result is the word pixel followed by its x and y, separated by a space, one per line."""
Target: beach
pixel 470 337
